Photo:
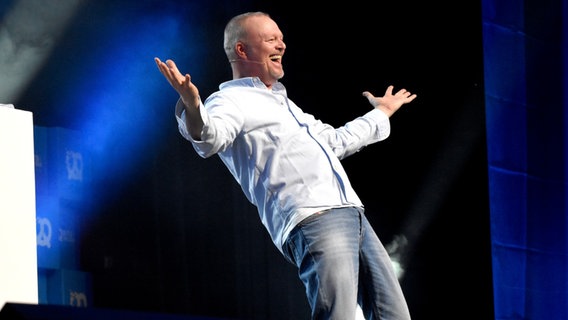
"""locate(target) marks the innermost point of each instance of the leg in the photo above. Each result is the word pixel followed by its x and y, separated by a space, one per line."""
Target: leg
pixel 381 294
pixel 326 250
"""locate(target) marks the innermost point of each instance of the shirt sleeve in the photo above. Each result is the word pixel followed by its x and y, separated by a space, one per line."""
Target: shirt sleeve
pixel 221 124
pixel 199 146
pixel 181 119
pixel 372 127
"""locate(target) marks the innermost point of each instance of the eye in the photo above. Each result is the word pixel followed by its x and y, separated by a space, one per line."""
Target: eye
pixel 274 39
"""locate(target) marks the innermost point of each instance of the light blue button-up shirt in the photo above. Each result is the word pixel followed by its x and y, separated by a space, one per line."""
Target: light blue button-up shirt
pixel 286 161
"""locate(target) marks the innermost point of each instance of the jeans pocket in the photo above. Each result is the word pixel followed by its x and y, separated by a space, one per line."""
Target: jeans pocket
pixel 289 249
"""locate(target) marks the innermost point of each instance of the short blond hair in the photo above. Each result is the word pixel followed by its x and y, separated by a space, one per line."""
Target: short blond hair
pixel 235 31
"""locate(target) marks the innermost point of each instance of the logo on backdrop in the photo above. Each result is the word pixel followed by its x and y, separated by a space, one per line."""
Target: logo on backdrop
pixel 77 299
pixel 44 232
pixel 66 235
pixel 74 164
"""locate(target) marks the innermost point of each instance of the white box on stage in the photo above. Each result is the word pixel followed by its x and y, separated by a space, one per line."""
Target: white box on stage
pixel 18 251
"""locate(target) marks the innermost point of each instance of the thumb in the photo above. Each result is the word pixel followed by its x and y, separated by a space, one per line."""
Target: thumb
pixel 370 97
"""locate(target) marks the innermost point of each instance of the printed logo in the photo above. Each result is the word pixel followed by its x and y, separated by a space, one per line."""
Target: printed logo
pixel 44 232
pixel 74 164
pixel 66 235
pixel 77 299
pixel 37 161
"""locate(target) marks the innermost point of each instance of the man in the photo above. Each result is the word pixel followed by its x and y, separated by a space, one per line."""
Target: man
pixel 288 165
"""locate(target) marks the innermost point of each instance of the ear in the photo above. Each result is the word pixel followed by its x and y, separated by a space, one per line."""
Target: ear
pixel 240 50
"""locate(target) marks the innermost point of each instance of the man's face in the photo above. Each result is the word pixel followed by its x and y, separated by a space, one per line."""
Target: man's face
pixel 264 48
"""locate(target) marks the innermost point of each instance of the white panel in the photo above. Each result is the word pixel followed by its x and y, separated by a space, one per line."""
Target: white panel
pixel 18 252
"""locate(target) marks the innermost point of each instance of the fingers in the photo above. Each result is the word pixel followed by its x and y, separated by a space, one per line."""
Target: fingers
pixel 172 74
pixel 402 92
pixel 389 100
pixel 160 64
pixel 388 92
pixel 164 69
pixel 168 67
pixel 407 95
pixel 172 65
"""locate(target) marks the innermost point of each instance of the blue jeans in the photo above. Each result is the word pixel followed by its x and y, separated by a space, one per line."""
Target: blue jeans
pixel 342 263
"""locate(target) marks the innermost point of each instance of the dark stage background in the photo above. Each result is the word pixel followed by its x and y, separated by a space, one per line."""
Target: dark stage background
pixel 164 230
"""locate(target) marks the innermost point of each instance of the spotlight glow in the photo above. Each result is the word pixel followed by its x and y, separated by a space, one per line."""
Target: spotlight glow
pixel 28 33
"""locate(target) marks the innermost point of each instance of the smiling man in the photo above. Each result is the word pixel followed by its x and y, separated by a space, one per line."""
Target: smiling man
pixel 287 163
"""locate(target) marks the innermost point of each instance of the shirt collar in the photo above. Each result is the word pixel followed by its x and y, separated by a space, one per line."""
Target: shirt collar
pixel 251 82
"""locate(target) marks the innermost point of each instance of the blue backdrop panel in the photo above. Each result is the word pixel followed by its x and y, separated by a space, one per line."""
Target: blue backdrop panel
pixel 526 117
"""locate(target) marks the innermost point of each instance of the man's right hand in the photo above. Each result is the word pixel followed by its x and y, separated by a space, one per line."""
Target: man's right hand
pixel 181 83
pixel 188 93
